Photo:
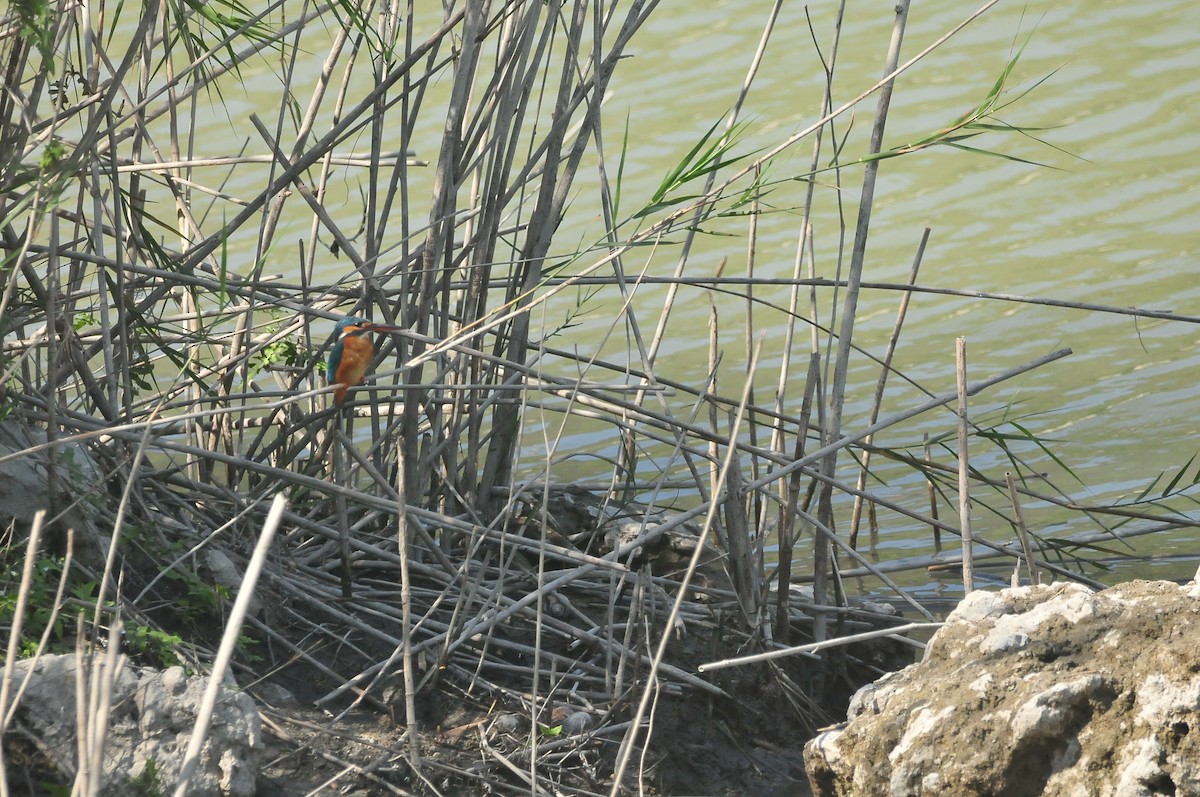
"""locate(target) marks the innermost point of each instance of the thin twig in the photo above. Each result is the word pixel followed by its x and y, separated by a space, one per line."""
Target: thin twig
pixel 882 633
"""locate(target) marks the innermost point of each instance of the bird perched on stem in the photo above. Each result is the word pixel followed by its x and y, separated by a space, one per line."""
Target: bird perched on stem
pixel 351 354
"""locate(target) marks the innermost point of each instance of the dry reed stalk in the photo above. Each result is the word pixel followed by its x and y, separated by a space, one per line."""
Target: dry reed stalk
pixel 1022 531
pixel 803 245
pixel 628 742
pixel 340 476
pixel 790 511
pixel 877 400
pixel 837 387
pixel 714 364
pixel 407 665
pixel 931 492
pixel 9 703
pixel 964 467
pixel 229 640
pixel 868 566
pixel 81 711
pixel 760 513
pixel 97 684
pixel 14 637
pixel 649 355
pixel 892 633
pixel 812 281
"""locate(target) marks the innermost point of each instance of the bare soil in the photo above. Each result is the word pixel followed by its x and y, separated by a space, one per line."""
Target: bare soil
pixel 748 741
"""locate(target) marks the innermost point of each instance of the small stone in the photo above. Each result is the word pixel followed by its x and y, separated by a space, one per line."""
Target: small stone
pixel 508 723
pixel 275 695
pixel 577 723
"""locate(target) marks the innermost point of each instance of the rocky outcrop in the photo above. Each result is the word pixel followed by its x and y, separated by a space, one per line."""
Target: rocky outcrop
pixel 25 488
pixel 149 725
pixel 1051 690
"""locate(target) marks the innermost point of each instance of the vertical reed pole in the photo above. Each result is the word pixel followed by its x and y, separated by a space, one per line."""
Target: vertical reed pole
pixel 837 395
pixel 877 403
pixel 964 467
pixel 787 522
pixel 1022 530
pixel 931 492
pixel 410 698
pixel 341 478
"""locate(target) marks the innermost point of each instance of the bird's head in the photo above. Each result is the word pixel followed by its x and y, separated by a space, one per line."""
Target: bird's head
pixel 352 325
pixel 355 326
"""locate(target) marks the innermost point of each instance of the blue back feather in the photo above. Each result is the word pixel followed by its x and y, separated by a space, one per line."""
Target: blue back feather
pixel 335 354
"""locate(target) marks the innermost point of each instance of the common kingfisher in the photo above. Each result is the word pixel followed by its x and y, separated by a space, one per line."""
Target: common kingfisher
pixel 351 354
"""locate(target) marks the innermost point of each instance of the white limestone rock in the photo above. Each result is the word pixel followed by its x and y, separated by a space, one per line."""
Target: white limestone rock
pixel 1051 690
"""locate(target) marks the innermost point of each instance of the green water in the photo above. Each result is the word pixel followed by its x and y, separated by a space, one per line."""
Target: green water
pixel 1110 219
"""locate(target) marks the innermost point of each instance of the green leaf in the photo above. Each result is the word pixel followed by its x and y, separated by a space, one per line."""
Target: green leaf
pixel 621 170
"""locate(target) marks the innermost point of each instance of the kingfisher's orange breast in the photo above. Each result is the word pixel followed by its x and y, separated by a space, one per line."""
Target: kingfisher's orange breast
pixel 356 357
